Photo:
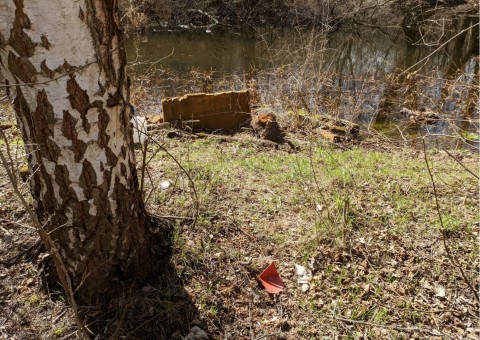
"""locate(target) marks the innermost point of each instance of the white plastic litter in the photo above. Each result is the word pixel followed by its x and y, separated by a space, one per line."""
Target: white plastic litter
pixel 439 291
pixel 165 184
pixel 139 129
pixel 304 276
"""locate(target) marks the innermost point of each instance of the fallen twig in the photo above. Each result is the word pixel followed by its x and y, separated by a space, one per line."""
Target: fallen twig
pixel 262 142
pixel 211 17
pixel 378 325
pixel 14 259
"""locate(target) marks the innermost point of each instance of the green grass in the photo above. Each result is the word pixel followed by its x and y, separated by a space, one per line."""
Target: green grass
pixel 392 188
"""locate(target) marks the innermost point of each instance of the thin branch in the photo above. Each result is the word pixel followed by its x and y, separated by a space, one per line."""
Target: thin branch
pixel 378 325
pixel 451 257
pixel 437 49
pixel 14 259
pixel 463 165
pixel 211 17
pixel 45 238
pixel 192 183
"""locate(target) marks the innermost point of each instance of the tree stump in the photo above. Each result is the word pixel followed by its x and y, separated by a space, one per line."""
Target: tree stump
pixel 264 124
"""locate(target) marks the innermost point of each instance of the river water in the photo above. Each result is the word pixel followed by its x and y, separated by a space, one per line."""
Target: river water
pixel 364 74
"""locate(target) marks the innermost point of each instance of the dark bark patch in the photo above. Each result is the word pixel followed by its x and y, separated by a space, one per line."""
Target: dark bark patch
pixel 44 111
pixel 19 40
pixel 133 170
pixel 22 43
pixel 43 121
pixel 114 100
pixel 79 147
pixel 70 132
pixel 107 177
pixel 98 104
pixel 79 100
pixel 88 178
pixel 44 42
pixel 66 68
pixel 101 89
pixel 51 150
pixel 3 42
pixel 100 203
pixel 81 14
pixel 23 20
pixel 103 137
pixel 24 115
pixel 63 181
pixel 120 194
pixel 68 126
pixel 46 71
pixel 123 152
pixel 112 159
pixel 21 68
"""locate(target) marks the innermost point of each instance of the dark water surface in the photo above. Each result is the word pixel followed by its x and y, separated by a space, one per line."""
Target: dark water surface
pixel 369 70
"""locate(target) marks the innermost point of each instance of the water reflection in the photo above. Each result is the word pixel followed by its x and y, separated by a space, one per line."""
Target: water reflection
pixel 183 50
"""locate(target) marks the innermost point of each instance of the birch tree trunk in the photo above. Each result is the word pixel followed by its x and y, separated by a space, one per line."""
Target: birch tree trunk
pixel 65 64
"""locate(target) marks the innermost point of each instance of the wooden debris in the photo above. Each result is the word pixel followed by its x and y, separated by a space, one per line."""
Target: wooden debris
pixel 154 119
pixel 421 117
pixel 330 136
pixel 336 130
pixel 216 111
pixel 264 124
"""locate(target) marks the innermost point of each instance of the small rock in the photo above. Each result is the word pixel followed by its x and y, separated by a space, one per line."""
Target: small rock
pixel 196 333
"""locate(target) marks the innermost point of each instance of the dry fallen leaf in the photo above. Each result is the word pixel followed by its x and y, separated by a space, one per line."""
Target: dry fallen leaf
pixel 439 291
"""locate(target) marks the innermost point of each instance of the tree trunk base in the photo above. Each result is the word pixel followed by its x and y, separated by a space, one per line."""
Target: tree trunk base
pixel 156 256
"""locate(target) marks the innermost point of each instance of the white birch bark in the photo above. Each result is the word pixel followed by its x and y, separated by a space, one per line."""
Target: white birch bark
pixel 65 64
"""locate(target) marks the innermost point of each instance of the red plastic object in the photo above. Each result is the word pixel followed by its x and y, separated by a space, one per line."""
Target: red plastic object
pixel 271 280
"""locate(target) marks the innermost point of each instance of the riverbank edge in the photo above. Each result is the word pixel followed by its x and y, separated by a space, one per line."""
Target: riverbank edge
pixel 148 15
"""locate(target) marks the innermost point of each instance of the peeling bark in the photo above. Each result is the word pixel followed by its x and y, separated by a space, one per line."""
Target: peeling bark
pixel 77 134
